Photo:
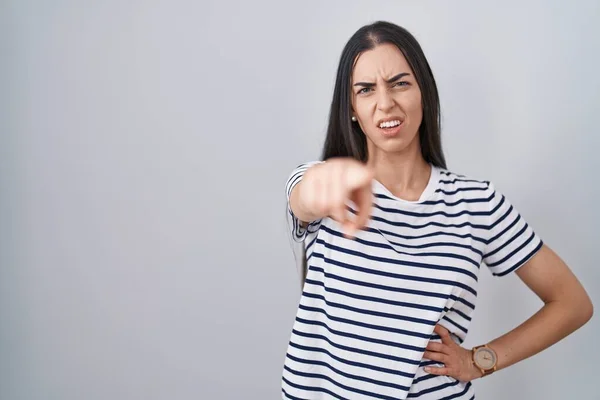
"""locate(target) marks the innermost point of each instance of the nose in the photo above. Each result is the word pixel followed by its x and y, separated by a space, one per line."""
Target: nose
pixel 385 102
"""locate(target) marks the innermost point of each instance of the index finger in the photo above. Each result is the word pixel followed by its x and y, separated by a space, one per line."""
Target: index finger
pixel 363 198
pixel 444 334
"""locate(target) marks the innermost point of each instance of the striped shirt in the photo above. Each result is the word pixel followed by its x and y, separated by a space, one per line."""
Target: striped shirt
pixel 369 305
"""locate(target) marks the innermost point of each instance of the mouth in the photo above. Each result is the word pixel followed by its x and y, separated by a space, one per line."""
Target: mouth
pixel 390 126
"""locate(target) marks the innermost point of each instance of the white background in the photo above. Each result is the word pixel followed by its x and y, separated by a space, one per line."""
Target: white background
pixel 144 148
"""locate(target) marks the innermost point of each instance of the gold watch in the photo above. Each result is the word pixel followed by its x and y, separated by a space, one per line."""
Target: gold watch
pixel 485 359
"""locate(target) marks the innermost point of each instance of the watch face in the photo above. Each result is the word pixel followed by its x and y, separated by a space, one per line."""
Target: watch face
pixel 484 358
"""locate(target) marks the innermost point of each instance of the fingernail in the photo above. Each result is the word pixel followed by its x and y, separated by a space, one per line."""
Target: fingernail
pixel 427 369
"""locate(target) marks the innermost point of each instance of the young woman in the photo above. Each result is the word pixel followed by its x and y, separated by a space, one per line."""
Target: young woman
pixel 394 243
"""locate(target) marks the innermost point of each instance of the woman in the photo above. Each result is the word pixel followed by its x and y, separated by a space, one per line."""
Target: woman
pixel 394 244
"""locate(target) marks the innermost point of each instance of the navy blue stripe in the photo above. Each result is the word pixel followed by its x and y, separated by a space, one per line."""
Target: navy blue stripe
pixel 450 397
pixel 425 245
pixel 371 326
pixel 345 387
pixel 493 239
pixel 353 363
pixel 291 214
pixel 389 247
pixel 465 180
pixel 375 299
pixel 522 261
pixel 465 330
pixel 397 276
pixel 460 201
pixel 386 260
pixel 308 246
pixel 431 223
pixel 428 363
pixel 347 375
pixel 500 203
pixel 432 214
pixel 312 231
pixel 399 317
pixel 464 301
pixel 433 389
pixel 311 388
pixel 457 395
pixel 298 230
pixel 467 189
pixel 293 182
pixel 512 253
pixel 504 216
pixel 360 337
pixel 388 288
pixel 454 310
pixel 356 349
pixel 297 221
pixel 289 396
pixel 427 235
pixel 446 203
pixel 435 337
pixel 448 173
pixel 508 242
pixel 424 378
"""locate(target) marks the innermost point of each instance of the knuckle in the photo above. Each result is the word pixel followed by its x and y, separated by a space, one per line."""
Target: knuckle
pixel 312 199
pixel 323 207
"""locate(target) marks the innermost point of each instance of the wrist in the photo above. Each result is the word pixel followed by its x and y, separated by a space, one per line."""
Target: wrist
pixel 298 206
pixel 484 359
pixel 475 372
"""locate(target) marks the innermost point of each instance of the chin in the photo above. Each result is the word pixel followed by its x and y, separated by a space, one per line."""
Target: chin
pixel 399 144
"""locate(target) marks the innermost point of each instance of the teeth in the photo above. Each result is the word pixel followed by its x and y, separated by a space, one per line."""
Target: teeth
pixel 389 124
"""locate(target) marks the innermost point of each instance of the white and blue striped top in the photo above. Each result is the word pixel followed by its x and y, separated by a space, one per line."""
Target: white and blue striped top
pixel 369 305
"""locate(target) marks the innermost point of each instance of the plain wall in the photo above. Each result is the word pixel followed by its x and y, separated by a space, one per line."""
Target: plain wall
pixel 144 149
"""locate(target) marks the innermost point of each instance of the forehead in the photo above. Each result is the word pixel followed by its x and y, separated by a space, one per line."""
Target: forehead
pixel 384 61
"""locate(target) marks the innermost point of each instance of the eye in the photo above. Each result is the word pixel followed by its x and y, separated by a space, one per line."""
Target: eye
pixel 402 84
pixel 364 90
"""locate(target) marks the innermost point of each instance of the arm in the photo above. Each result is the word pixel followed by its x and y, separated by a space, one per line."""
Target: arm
pixel 324 188
pixel 305 216
pixel 566 308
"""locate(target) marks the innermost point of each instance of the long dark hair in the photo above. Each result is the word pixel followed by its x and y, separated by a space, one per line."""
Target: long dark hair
pixel 346 139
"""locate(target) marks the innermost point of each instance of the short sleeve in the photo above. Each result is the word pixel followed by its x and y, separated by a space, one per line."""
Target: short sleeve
pixel 511 242
pixel 298 231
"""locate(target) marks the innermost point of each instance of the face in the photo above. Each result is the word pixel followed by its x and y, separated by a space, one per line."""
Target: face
pixel 386 100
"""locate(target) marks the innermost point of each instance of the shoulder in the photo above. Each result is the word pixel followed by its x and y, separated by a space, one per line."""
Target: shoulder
pixel 471 191
pixel 451 181
pixel 297 174
pixel 301 168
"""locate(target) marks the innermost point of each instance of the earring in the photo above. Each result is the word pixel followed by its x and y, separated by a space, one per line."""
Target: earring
pixel 353 118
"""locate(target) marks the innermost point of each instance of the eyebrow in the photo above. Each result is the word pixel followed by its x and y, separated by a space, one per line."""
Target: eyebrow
pixel 392 79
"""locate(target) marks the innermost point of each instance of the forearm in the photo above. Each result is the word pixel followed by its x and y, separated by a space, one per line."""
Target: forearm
pixel 301 212
pixel 554 321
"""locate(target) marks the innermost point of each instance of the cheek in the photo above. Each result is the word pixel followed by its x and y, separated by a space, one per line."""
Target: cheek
pixel 414 102
pixel 363 107
pixel 414 109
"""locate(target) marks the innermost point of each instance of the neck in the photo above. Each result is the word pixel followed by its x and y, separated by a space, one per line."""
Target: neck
pixel 406 174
